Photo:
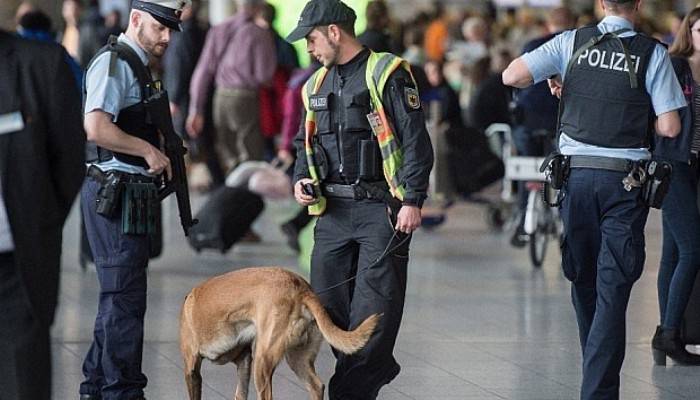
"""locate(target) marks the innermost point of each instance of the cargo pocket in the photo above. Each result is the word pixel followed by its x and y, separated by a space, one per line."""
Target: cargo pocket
pixel 633 257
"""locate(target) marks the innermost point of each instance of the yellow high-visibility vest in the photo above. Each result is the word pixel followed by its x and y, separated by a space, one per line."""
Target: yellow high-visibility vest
pixel 379 67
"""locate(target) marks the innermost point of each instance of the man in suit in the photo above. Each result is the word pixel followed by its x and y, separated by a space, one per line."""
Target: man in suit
pixel 41 169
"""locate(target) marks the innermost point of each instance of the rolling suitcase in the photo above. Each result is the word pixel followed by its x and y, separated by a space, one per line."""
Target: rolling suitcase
pixel 225 218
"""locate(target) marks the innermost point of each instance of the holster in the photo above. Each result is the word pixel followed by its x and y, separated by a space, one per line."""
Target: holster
pixel 139 202
pixel 110 193
pixel 657 183
pixel 556 169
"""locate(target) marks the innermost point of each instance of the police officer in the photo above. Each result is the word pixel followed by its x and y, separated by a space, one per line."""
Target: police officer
pixel 615 86
pixel 363 145
pixel 123 154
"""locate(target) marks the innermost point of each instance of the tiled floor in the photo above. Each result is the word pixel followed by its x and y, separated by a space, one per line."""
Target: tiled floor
pixel 480 323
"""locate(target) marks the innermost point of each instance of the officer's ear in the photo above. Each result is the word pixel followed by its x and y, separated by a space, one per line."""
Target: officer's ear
pixel 334 33
pixel 135 18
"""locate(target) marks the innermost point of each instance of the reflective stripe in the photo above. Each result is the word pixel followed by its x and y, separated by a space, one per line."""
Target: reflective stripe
pixel 382 65
pixel 310 88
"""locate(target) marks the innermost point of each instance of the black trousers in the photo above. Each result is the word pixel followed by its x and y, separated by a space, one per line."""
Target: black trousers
pixel 349 236
pixel 25 349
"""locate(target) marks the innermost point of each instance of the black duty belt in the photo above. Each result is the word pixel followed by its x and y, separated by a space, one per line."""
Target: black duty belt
pixel 353 191
pixel 101 176
pixel 598 162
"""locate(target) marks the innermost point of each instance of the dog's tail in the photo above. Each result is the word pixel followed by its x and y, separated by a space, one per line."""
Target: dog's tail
pixel 347 342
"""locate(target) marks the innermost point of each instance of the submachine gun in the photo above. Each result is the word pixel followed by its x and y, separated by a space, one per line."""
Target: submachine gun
pixel 158 107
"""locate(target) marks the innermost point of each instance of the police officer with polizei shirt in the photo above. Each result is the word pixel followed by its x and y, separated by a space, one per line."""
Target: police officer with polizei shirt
pixel 124 162
pixel 363 161
pixel 618 89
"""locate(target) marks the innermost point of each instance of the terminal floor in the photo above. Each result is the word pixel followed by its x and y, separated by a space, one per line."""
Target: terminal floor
pixel 479 324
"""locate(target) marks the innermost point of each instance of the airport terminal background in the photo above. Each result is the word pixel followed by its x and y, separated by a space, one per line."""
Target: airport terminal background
pixel 480 322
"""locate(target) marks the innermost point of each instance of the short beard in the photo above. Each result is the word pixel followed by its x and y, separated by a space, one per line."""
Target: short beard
pixel 336 54
pixel 147 44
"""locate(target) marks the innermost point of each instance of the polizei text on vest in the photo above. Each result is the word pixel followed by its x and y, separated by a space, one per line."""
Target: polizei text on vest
pixel 608 60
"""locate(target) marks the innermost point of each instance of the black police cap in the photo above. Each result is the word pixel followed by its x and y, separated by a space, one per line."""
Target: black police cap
pixel 319 13
pixel 167 12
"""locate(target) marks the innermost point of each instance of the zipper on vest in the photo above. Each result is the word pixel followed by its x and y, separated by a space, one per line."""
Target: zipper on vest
pixel 339 134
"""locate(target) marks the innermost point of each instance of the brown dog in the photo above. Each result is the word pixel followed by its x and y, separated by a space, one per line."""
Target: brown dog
pixel 254 317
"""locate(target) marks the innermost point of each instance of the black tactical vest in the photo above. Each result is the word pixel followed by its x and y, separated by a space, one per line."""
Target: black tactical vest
pixel 599 105
pixel 133 120
pixel 342 104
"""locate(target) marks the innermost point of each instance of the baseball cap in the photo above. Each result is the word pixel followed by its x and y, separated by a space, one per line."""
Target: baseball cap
pixel 319 13
pixel 167 12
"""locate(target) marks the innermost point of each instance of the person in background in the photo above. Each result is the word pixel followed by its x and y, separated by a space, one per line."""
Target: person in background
pixel 237 82
pixel 413 40
pixel 37 25
pixel 536 110
pixel 441 92
pixel 23 8
pixel 375 37
pixel 490 98
pixel 436 34
pixel 42 165
pixel 70 39
pixel 113 24
pixel 92 32
pixel 271 96
pixel 680 255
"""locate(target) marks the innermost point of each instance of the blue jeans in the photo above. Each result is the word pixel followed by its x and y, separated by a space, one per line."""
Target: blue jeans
pixel 680 255
pixel 112 367
pixel 602 255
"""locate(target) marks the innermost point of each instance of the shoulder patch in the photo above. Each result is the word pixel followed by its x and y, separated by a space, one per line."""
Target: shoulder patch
pixel 412 98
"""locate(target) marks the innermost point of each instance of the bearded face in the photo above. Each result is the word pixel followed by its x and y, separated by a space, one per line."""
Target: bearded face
pixel 152 35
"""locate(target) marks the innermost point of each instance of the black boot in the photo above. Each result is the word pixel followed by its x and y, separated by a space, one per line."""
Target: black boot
pixel 667 343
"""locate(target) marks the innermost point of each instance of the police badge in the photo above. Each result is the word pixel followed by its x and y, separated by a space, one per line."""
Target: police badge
pixel 412 99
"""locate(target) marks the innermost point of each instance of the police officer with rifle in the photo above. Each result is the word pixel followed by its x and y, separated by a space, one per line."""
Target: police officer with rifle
pixel 126 118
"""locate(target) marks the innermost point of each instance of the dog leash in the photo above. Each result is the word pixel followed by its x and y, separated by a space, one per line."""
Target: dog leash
pixel 387 251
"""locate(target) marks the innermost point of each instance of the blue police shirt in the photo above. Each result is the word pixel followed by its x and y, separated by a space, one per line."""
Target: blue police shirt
pixel 112 93
pixel 662 85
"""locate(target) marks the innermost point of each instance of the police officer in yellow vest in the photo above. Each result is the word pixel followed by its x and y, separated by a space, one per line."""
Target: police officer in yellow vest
pixel 364 157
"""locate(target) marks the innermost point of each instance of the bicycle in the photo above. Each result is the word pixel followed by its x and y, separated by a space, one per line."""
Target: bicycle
pixel 541 221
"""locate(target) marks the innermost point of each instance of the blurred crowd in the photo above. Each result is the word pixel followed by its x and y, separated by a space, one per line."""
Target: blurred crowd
pixel 456 54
